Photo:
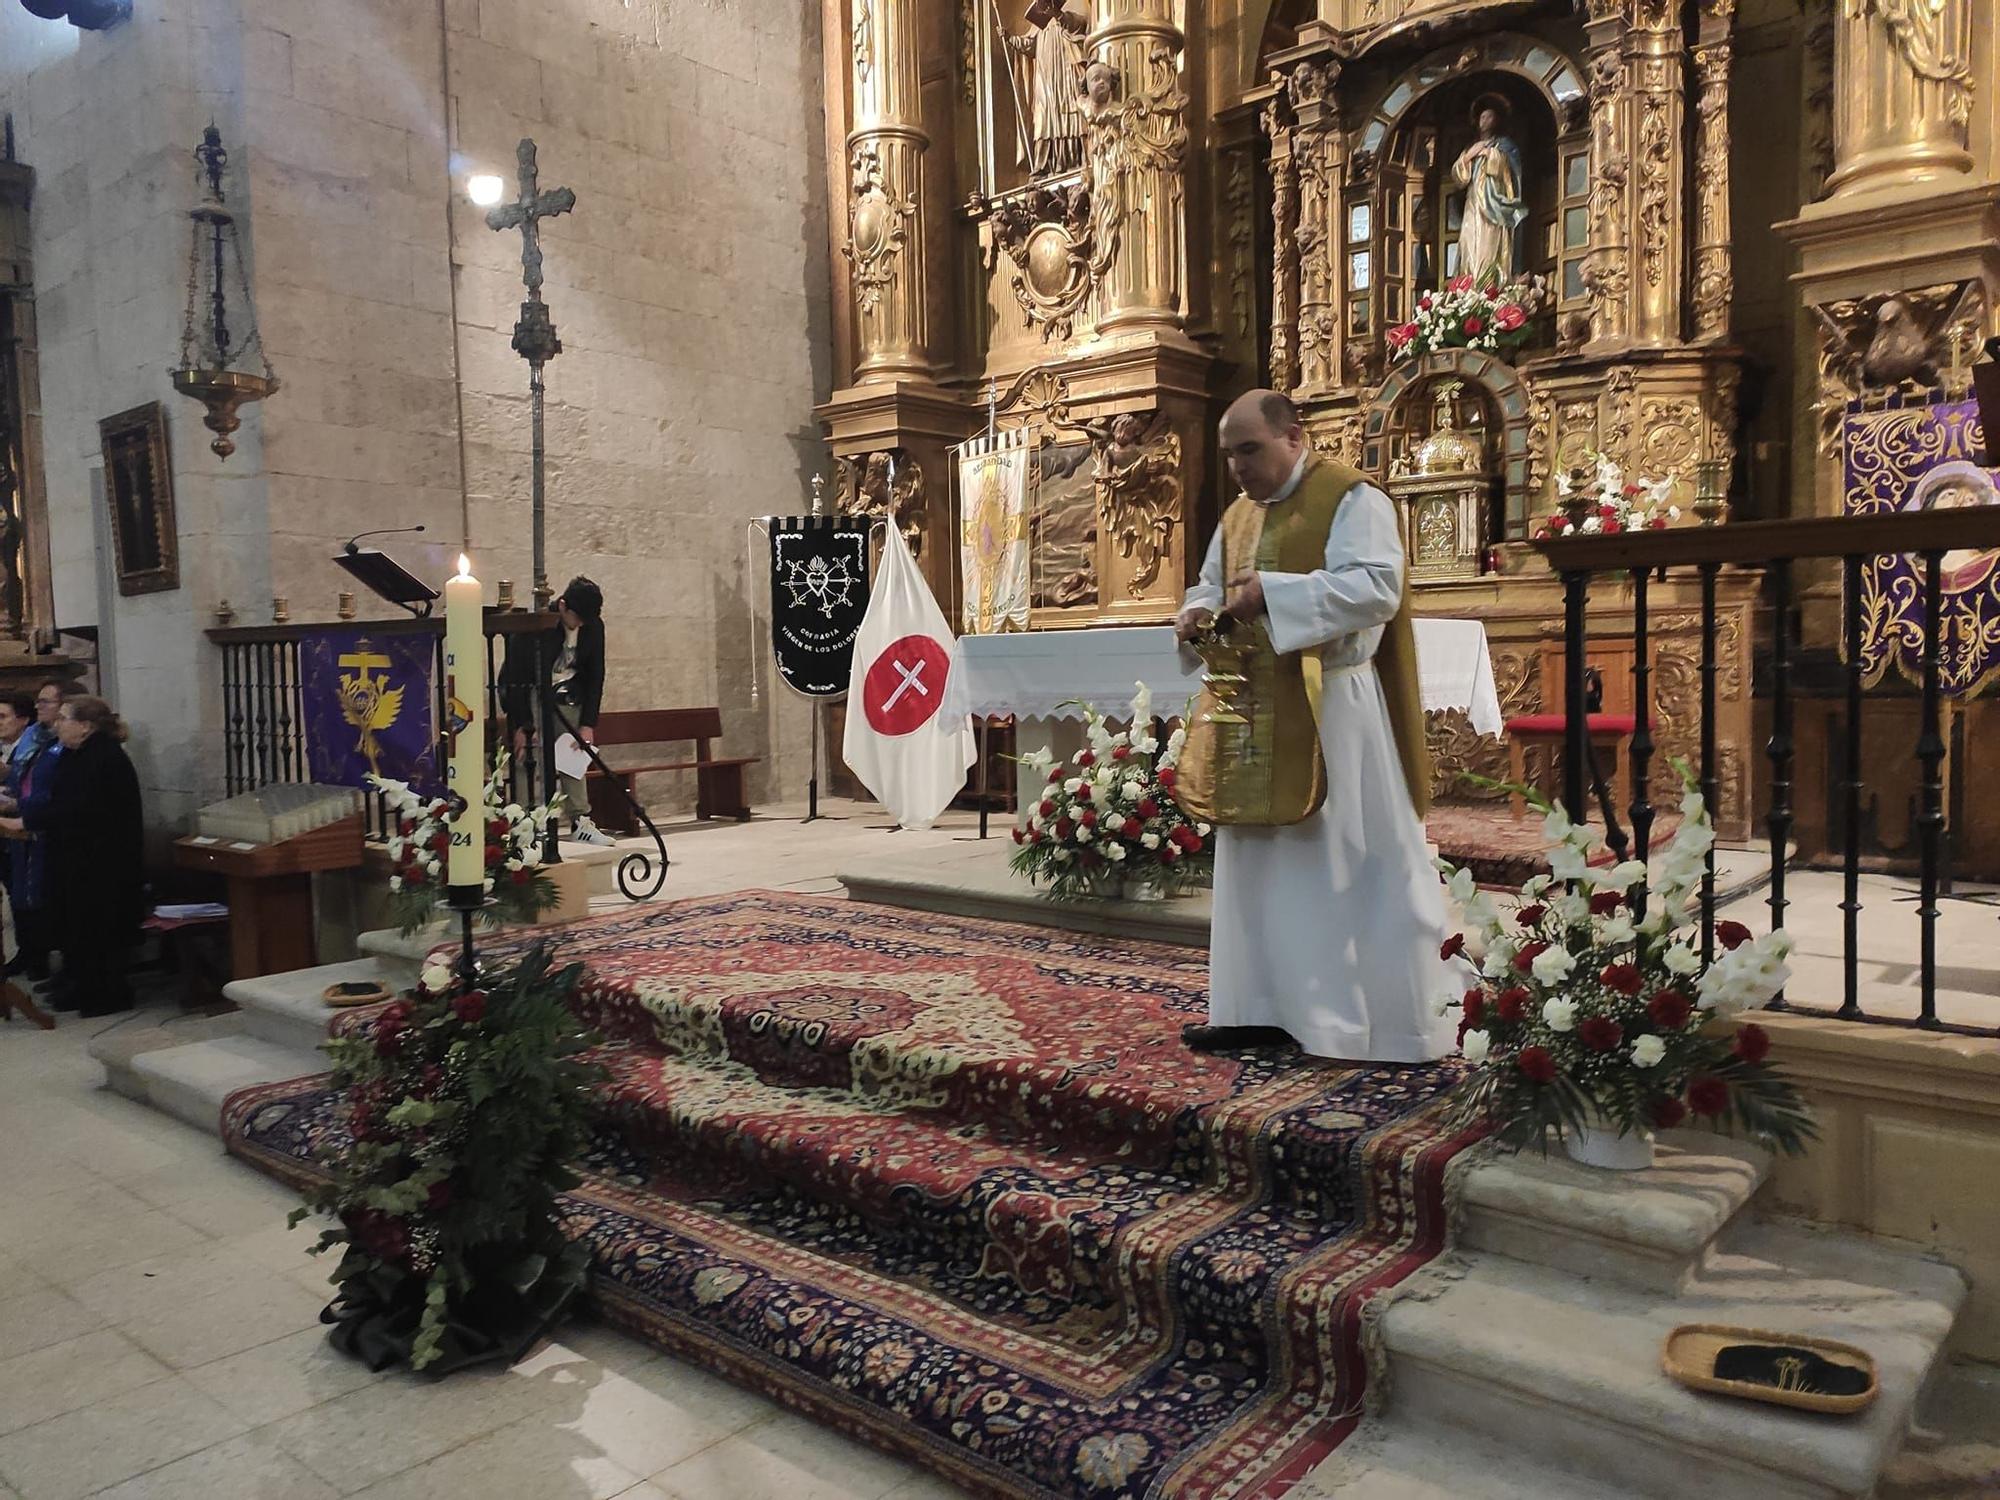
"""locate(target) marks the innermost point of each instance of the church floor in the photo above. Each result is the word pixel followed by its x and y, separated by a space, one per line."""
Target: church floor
pixel 158 1333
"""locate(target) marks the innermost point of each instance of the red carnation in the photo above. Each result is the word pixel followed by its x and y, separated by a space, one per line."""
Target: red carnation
pixel 1669 1010
pixel 1148 808
pixel 1708 1096
pixel 496 828
pixel 1753 1043
pixel 523 875
pixel 1632 492
pixel 1083 792
pixel 1020 837
pixel 1086 759
pixel 1667 1112
pixel 1088 817
pixel 1612 527
pixel 1731 934
pixel 1057 774
pixel 1119 752
pixel 1528 916
pixel 1536 1064
pixel 1475 325
pixel 1599 1033
pixel 1604 903
pixel 1525 959
pixel 1512 1003
pixel 1624 978
pixel 1168 854
pixel 441 842
pixel 1048 808
pixel 1064 828
pixel 439 1197
pixel 1193 842
pixel 1658 523
pixel 1475 1006
pixel 1133 828
pixel 494 854
pixel 1167 777
pixel 1452 946
pixel 1607 510
pixel 469 1007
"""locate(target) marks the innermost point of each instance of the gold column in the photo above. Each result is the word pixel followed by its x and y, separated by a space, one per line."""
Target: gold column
pixel 1277 122
pixel 1714 273
pixel 1319 151
pixel 1608 271
pixel 885 230
pixel 1654 56
pixel 1138 153
pixel 1902 93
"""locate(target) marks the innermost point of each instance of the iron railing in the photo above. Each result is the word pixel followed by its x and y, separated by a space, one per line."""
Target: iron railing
pixel 264 721
pixel 1776 546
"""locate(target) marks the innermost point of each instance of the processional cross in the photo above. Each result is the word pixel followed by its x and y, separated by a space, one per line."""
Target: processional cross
pixel 534 332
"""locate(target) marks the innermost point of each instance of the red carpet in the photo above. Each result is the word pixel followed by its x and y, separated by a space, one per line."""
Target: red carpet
pixel 1501 849
pixel 956 1187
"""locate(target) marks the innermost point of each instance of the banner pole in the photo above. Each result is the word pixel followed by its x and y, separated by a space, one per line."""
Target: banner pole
pixel 812 775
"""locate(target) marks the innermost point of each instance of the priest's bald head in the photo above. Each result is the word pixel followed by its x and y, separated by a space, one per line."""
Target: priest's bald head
pixel 1262 437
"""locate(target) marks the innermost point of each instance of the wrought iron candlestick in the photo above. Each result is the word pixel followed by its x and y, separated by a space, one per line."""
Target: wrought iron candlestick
pixel 534 332
pixel 207 351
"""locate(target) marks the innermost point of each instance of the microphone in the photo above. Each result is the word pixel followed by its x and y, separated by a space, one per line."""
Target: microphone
pixel 351 549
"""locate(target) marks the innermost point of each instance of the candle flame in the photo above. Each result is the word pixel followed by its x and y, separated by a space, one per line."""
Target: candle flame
pixel 464 566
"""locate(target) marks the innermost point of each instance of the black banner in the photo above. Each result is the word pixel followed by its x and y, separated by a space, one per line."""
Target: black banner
pixel 819 592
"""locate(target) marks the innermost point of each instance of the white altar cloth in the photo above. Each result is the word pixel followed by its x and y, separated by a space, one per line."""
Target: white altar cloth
pixel 1044 674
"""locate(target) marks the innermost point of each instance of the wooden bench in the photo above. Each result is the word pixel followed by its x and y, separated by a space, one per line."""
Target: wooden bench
pixel 718 778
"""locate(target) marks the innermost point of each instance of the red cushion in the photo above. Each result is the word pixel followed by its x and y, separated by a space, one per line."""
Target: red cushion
pixel 1557 724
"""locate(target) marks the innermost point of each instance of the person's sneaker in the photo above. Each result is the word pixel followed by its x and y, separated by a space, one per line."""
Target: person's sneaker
pixel 587 832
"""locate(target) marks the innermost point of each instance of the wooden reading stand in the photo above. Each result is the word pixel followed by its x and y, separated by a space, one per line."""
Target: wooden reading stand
pixel 270 891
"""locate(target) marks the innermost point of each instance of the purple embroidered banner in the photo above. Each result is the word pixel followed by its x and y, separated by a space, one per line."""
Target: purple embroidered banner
pixel 1911 458
pixel 369 706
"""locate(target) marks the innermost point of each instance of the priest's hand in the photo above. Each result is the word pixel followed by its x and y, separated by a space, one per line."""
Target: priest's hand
pixel 1246 597
pixel 1192 622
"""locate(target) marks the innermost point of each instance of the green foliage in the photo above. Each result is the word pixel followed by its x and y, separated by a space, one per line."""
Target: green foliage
pixel 465 1107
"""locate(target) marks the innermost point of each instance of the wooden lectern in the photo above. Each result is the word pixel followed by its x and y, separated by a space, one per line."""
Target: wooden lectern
pixel 270 891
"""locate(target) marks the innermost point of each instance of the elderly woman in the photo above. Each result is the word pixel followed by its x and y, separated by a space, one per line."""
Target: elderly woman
pixel 92 825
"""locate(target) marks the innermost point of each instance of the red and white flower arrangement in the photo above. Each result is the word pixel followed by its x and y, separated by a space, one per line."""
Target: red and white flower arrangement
pixel 1614 504
pixel 1464 316
pixel 520 888
pixel 1109 816
pixel 1590 1014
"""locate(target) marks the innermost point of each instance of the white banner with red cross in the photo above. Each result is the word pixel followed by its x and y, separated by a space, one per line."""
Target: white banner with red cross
pixel 907 751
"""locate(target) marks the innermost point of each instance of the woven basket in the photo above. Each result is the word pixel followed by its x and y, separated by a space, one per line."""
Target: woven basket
pixel 353 992
pixel 1689 1357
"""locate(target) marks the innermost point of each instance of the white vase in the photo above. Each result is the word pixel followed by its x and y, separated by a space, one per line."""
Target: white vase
pixel 1137 887
pixel 1597 1143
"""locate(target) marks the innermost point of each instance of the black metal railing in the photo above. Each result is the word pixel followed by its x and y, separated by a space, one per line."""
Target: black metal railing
pixel 263 701
pixel 1775 546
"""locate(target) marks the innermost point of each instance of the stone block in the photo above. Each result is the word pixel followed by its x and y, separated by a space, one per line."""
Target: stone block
pixel 513 79
pixel 267 59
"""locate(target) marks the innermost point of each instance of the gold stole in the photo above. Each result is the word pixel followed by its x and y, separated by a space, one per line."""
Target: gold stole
pixel 1267 770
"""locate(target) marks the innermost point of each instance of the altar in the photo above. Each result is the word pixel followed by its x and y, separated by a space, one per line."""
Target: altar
pixel 1042 679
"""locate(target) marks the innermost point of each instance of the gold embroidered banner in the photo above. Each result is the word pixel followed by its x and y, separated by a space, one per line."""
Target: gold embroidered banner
pixel 1912 458
pixel 993 531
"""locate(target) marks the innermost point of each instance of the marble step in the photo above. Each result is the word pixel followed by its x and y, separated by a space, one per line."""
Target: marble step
pixel 1382 1462
pixel 1543 1361
pixel 1650 1229
pixel 987 888
pixel 289 1009
pixel 190 1082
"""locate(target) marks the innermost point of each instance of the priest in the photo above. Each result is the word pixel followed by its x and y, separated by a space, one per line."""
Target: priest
pixel 1328 910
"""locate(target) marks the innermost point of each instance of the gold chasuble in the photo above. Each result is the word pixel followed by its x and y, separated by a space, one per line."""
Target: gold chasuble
pixel 1253 758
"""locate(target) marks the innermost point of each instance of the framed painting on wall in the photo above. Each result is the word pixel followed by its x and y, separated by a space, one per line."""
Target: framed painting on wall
pixel 139 488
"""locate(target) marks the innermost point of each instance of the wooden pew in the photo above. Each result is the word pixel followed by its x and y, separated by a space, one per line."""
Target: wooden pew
pixel 718 778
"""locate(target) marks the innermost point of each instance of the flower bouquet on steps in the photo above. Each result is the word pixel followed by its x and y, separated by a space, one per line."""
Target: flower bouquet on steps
pixel 1592 1017
pixel 520 888
pixel 465 1106
pixel 1109 817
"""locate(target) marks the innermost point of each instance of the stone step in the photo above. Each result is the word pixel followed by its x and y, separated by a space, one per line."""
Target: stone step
pixel 190 1082
pixel 1382 1462
pixel 1649 1229
pixel 402 955
pixel 289 1009
pixel 985 887
pixel 1543 1361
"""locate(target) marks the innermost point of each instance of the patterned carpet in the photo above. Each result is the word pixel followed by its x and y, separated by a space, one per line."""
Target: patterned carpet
pixel 956 1186
pixel 1501 849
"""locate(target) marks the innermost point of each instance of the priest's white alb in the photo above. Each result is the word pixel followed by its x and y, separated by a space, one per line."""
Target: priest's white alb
pixel 906 751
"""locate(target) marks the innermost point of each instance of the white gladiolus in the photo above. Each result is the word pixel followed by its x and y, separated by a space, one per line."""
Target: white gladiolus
pixel 1083 835
pixel 1114 851
pixel 1553 965
pixel 1499 958
pixel 1572 910
pixel 1149 840
pixel 1559 1015
pixel 1073 785
pixel 514 812
pixel 431 868
pixel 395 882
pixel 1476 1046
pixel 1622 877
pixel 531 857
pixel 1557 827
pixel 1535 885
pixel 1618 930
pixel 435 977
pixel 1647 1052
pixel 1134 789
pixel 1681 959
pixel 1567 863
pixel 1462 887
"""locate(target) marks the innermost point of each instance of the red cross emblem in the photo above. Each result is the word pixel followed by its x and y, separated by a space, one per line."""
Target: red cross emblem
pixel 905 685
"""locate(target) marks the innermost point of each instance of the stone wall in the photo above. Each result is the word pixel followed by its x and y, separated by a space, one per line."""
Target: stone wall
pixel 690 288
